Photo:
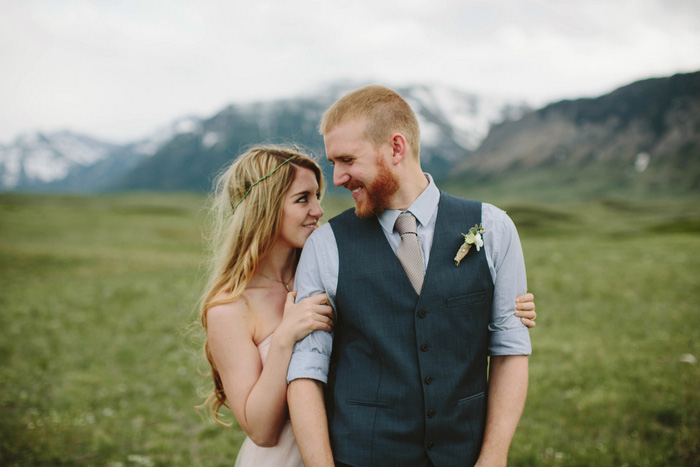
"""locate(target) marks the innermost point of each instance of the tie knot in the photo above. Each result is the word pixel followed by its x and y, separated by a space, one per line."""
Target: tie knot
pixel 406 223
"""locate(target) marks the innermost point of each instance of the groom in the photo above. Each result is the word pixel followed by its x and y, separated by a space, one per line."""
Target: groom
pixel 407 378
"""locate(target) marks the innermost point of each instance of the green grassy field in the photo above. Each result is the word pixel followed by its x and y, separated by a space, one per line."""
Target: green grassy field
pixel 100 364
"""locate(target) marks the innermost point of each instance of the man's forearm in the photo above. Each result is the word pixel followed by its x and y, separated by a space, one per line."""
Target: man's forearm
pixel 307 410
pixel 508 376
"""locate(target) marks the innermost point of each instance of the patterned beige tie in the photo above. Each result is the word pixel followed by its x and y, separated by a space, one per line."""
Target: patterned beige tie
pixel 408 252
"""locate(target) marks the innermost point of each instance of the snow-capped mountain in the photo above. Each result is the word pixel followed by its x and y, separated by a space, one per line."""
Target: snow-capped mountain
pixel 185 154
pixel 452 124
pixel 470 116
pixel 642 136
pixel 150 145
pixel 36 159
pixel 439 107
pixel 68 161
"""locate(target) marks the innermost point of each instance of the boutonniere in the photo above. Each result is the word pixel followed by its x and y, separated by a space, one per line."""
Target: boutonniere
pixel 471 238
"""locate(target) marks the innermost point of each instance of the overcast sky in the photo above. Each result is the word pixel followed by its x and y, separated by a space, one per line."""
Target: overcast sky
pixel 120 69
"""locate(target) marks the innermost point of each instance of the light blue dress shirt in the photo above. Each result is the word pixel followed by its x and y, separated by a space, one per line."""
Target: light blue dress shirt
pixel 318 267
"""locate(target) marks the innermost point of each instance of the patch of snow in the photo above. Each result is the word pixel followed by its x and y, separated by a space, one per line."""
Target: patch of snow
pixel 430 133
pixel 11 160
pixel 78 150
pixel 188 125
pixel 147 147
pixel 641 162
pixel 470 116
pixel 210 139
pixel 44 164
pixel 48 157
pixel 150 145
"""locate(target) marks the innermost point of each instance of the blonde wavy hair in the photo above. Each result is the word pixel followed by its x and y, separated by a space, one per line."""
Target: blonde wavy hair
pixel 245 216
pixel 385 110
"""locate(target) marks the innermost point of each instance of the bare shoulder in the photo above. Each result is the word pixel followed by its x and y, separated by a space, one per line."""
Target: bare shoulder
pixel 230 331
pixel 234 316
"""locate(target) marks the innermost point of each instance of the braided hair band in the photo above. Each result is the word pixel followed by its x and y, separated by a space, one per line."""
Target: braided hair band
pixel 263 178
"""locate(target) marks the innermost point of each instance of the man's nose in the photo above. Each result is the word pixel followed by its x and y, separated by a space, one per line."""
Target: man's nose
pixel 340 177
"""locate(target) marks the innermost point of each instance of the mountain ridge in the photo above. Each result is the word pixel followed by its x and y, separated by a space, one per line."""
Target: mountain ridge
pixel 639 139
pixel 189 163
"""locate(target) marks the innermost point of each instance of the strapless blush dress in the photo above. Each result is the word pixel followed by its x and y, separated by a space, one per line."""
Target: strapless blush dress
pixel 284 454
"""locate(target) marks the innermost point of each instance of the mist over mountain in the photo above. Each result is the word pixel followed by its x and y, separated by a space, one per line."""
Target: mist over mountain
pixel 641 139
pixel 452 123
pixel 187 154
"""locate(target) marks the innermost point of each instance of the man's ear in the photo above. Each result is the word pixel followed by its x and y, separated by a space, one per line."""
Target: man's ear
pixel 399 147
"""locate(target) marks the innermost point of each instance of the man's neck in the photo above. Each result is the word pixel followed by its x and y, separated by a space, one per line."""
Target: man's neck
pixel 410 189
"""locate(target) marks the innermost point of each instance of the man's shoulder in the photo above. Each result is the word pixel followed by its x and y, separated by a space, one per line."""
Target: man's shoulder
pixel 496 219
pixel 490 214
pixel 324 236
pixel 493 210
pixel 319 236
pixel 446 197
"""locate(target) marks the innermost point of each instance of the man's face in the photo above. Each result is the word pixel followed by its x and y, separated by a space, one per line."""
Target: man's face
pixel 361 167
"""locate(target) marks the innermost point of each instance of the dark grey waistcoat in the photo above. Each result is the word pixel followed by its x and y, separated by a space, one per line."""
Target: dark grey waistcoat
pixel 408 374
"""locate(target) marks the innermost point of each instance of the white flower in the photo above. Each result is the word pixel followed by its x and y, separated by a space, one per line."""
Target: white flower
pixel 471 238
pixel 478 241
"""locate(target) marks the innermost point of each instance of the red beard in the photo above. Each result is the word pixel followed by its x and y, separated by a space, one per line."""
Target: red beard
pixel 379 193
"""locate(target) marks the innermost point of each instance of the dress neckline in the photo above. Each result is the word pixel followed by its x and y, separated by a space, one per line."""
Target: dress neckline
pixel 265 340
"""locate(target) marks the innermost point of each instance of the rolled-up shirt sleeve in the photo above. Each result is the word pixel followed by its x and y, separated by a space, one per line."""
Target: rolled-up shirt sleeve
pixel 507 334
pixel 317 272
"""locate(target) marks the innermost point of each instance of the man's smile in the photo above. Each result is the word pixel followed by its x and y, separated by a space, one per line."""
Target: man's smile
pixel 356 192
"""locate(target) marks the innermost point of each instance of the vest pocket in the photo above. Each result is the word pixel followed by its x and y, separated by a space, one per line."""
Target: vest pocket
pixel 367 403
pixel 469 398
pixel 470 416
pixel 464 300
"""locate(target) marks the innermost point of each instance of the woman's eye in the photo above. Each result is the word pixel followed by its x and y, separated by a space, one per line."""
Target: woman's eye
pixel 302 200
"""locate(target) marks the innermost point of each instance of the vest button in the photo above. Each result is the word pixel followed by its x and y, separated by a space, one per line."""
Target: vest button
pixel 431 413
pixel 429 379
pixel 422 313
pixel 424 347
pixel 430 445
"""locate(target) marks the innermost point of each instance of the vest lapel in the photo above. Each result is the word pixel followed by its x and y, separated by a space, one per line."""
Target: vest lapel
pixel 443 216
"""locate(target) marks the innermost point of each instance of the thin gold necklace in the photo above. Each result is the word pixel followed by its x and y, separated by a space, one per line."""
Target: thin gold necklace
pixel 284 283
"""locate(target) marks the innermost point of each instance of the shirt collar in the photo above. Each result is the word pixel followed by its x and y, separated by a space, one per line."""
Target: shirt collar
pixel 423 207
